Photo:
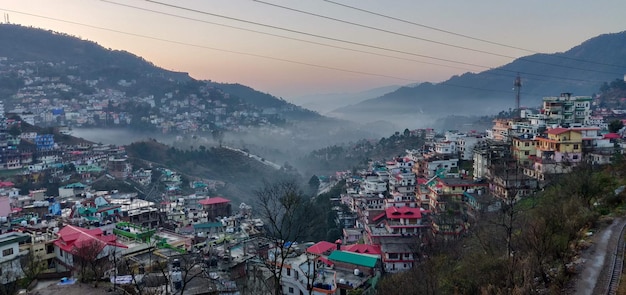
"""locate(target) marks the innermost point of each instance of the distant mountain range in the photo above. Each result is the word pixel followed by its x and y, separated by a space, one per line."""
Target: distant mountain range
pixel 580 70
pixel 326 102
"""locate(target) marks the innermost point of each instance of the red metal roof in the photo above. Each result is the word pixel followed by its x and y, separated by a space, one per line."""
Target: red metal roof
pixel 379 216
pixel 612 136
pixel 321 247
pixel 363 248
pixel 403 212
pixel 214 200
pixel 71 237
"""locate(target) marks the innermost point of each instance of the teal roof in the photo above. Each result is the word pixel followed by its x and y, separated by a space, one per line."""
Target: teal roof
pixel 353 258
pixel 89 210
pixel 88 168
pixel 75 185
pixel 207 225
pixel 199 184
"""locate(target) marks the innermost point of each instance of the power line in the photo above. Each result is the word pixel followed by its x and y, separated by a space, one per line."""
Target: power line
pixel 326 44
pixel 280 36
pixel 244 53
pixel 353 42
pixel 424 39
pixel 213 48
pixel 382 30
pixel 464 35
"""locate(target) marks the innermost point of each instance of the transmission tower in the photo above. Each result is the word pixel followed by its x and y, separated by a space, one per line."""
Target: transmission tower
pixel 517 87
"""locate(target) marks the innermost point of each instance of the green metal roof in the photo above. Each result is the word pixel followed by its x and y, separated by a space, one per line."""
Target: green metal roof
pixel 89 210
pixel 353 258
pixel 75 185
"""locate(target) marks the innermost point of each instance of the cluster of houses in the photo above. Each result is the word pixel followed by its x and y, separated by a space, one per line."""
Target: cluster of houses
pixel 71 100
pixel 389 212
pixel 437 191
pixel 53 229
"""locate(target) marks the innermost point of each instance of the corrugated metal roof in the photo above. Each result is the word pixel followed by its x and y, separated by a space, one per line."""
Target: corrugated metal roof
pixel 353 258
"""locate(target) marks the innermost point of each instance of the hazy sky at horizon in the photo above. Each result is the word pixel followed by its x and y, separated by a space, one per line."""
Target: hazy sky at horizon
pixel 207 48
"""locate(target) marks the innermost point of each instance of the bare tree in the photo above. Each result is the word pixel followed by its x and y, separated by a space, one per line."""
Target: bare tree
pixel 32 265
pixel 190 270
pixel 91 263
pixel 283 208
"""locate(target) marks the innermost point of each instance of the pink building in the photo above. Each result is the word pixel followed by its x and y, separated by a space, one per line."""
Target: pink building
pixel 5 206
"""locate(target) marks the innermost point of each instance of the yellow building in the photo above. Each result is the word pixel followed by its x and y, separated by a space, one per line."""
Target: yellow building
pixel 558 152
pixel 524 147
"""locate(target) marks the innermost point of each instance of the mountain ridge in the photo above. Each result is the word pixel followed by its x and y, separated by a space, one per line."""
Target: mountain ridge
pixel 493 87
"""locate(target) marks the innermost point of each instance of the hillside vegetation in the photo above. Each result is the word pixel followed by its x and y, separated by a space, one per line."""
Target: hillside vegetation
pixel 528 247
pixel 242 175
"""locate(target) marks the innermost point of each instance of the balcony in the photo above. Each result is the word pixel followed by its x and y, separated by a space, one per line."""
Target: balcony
pixel 325 282
pixel 396 223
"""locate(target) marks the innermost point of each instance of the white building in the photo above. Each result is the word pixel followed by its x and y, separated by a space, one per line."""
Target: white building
pixel 9 261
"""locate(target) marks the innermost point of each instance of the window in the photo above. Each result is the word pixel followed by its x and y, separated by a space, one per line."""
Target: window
pixel 290 290
pixel 575 146
pixel 7 252
pixel 575 157
pixel 288 271
pixel 527 144
pixel 526 153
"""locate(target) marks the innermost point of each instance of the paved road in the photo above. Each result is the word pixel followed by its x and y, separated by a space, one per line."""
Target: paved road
pixel 261 160
pixel 598 258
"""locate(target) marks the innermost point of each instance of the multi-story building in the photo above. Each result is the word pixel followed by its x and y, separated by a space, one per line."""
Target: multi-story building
pixel 487 154
pixel 328 271
pixel 500 130
pixel 10 256
pixel 558 152
pixel 567 109
pixel 216 207
pixel 466 146
pixel 119 168
pixel 523 147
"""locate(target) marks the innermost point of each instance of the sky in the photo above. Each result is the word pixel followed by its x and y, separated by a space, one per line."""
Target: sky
pixel 295 48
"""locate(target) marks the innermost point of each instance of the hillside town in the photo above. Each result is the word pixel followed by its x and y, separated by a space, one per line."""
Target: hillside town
pixel 204 244
pixel 57 94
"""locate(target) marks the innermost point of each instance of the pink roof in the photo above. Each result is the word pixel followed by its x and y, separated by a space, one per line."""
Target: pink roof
pixel 403 212
pixel 214 200
pixel 6 184
pixel 422 180
pixel 71 237
pixel 557 130
pixel 611 136
pixel 321 247
pixel 363 248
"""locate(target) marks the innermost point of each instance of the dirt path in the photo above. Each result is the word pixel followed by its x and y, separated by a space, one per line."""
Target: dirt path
pixel 596 257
